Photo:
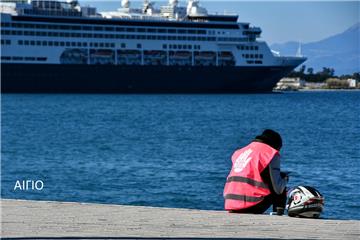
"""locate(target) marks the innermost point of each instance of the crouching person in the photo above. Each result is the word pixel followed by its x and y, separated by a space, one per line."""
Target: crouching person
pixel 255 181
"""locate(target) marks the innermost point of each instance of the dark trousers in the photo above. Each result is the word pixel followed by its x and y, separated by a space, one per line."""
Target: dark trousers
pixel 272 199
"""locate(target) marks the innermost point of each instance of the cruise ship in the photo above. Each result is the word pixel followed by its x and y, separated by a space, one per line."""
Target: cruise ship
pixel 50 46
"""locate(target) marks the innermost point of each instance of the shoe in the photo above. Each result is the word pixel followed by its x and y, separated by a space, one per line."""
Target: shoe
pixel 280 211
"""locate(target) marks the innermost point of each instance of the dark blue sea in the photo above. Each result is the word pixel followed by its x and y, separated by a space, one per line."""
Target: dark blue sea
pixel 174 150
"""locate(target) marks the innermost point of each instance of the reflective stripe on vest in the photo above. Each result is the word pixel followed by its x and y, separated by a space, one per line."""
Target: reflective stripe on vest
pixel 247 180
pixel 243 198
pixel 244 186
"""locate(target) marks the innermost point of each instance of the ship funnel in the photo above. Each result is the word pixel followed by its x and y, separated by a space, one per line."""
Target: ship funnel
pixel 193 9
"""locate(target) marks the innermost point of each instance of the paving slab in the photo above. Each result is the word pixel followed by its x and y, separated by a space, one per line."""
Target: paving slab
pixel 58 220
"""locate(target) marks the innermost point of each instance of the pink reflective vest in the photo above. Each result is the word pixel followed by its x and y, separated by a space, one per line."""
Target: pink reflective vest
pixel 244 186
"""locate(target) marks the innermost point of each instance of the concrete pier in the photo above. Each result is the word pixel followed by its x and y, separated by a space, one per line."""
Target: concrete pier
pixel 95 221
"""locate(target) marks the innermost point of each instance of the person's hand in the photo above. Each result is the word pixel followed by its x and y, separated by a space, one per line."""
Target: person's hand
pixel 285 176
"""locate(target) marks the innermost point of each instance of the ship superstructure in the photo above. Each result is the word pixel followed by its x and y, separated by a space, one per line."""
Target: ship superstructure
pixel 54 46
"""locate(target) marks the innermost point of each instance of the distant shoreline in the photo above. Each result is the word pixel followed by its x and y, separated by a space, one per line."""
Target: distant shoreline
pixel 317 90
pixel 329 90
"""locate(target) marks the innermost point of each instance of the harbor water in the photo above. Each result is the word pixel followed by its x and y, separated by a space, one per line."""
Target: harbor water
pixel 174 150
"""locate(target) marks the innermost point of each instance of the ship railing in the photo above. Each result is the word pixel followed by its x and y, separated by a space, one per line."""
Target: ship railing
pixel 117 15
pixel 49 13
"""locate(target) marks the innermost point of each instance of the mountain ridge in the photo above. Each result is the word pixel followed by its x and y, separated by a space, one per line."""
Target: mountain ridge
pixel 340 51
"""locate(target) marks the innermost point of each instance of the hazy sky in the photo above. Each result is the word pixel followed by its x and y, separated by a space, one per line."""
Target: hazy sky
pixel 281 21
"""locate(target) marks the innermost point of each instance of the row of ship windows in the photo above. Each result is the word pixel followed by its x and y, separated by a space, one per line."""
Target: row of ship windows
pixel 253 56
pixel 5 42
pixel 179 46
pixel 95 44
pixel 119 36
pixel 254 62
pixel 112 45
pixel 17 58
pixel 165 46
pixel 67 44
pixel 43 59
pixel 242 47
pixel 100 28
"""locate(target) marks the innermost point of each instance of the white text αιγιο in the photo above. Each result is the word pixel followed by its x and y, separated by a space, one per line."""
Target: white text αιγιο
pixel 29 185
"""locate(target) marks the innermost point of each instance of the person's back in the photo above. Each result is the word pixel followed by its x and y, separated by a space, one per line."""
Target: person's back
pixel 254 182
